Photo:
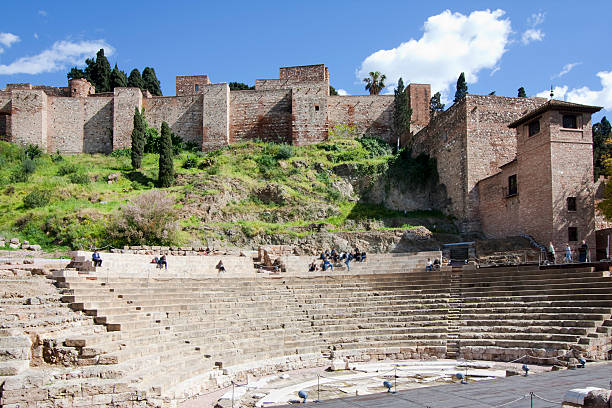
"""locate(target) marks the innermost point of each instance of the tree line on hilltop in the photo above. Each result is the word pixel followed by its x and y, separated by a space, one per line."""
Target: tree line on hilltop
pixel 98 72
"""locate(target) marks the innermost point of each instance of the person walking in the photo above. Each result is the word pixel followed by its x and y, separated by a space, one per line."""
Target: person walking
pixel 568 254
pixel 551 253
pixel 583 251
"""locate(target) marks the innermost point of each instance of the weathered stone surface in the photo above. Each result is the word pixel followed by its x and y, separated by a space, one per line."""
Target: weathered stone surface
pixel 598 399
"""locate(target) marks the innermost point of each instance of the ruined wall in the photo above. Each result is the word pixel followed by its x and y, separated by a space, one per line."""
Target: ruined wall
pixel 5 116
pixel 445 139
pixel 186 84
pixel 125 100
pixel 215 116
pixel 182 113
pixel 264 115
pixel 420 97
pixel 499 213
pixel 370 114
pixel 312 73
pixel 310 113
pixel 29 117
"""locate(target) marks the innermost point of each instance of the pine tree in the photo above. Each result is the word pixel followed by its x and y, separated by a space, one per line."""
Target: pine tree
pixel 462 88
pixel 166 165
pixel 135 80
pixel 521 93
pixel 435 105
pixel 150 81
pixel 75 73
pixel 98 72
pixel 118 78
pixel 401 111
pixel 138 138
pixel 332 91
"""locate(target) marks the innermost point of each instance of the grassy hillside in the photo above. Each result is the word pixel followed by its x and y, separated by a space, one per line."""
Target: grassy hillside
pixel 244 193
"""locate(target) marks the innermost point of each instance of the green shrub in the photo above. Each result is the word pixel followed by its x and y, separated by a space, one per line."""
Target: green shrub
pixel 79 178
pixel 376 147
pixel 342 131
pixel 33 151
pixel 57 157
pixel 284 152
pixel 192 146
pixel 190 163
pixel 37 198
pixel 177 143
pixel 152 141
pixel 28 165
pixel 22 173
pixel 121 153
pixel 67 168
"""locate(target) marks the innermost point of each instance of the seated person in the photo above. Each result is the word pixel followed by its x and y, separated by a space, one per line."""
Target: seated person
pixel 220 266
pixel 342 255
pixel 313 266
pixel 428 265
pixel 97 260
pixel 327 264
pixel 162 263
pixel 436 263
pixel 363 256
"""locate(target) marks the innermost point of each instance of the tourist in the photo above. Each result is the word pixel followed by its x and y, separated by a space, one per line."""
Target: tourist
pixel 220 266
pixel 363 256
pixel 327 264
pixel 162 263
pixel 97 260
pixel 551 253
pixel 313 266
pixel 436 264
pixel 322 257
pixel 347 261
pixel 428 265
pixel 568 254
pixel 583 251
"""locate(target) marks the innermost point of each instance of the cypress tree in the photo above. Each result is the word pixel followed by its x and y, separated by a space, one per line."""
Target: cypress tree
pixel 462 88
pixel 118 78
pixel 135 80
pixel 166 165
pixel 435 105
pixel 99 72
pixel 150 81
pixel 521 93
pixel 401 111
pixel 138 138
pixel 75 73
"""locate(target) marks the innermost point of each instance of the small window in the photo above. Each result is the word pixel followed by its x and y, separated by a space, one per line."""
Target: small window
pixel 197 88
pixel 571 203
pixel 570 122
pixel 572 234
pixel 512 185
pixel 317 108
pixel 534 127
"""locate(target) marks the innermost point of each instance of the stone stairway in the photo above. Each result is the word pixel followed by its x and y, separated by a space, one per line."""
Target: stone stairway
pixel 454 314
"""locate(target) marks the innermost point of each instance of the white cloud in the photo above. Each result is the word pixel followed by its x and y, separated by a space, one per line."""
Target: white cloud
pixel 36 36
pixel 342 92
pixel 532 35
pixel 566 69
pixel 58 57
pixel 585 95
pixel 42 13
pixel 451 43
pixel 494 70
pixel 8 39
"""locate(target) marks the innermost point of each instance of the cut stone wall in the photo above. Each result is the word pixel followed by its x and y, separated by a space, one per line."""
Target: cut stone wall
pixel 499 214
pixel 313 73
pixel 98 125
pixel 310 113
pixel 125 101
pixel 5 115
pixel 420 97
pixel 182 113
pixel 186 84
pixel 370 114
pixel 264 115
pixel 29 117
pixel 216 116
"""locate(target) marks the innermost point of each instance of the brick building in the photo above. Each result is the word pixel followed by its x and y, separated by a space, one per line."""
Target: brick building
pixel 480 143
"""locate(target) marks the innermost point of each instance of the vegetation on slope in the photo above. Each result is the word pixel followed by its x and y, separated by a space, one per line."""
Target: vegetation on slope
pixel 247 192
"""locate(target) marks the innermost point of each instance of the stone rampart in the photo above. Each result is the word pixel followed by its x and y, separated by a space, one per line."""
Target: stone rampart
pixel 29 117
pixel 310 113
pixel 190 84
pixel 125 101
pixel 317 72
pixel 263 115
pixel 216 116
pixel 371 115
pixel 182 113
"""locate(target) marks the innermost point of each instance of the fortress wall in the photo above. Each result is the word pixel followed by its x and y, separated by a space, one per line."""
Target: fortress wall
pixel 29 117
pixel 317 72
pixel 125 100
pixel 420 97
pixel 186 84
pixel 264 115
pixel 182 113
pixel 445 139
pixel 310 113
pixel 371 114
pixel 5 115
pixel 65 124
pixel 98 125
pixel 215 116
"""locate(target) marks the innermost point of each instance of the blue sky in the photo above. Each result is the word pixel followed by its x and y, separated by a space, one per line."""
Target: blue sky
pixel 500 45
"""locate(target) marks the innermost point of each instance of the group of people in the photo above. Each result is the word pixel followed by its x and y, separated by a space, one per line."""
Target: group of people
pixel 333 257
pixel 161 262
pixel 431 265
pixel 583 252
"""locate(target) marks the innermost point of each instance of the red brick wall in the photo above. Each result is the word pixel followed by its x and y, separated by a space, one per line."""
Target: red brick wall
pixel 182 113
pixel 264 115
pixel 420 97
pixel 499 214
pixel 370 114
pixel 309 114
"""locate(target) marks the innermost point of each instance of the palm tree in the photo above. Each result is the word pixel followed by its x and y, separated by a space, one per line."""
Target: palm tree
pixel 375 83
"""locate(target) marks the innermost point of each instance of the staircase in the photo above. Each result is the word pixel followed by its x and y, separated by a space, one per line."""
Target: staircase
pixel 454 314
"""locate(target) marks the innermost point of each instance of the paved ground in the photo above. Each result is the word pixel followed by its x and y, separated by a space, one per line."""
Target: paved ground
pixel 550 386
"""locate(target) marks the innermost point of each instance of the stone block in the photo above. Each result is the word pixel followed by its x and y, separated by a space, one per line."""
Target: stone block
pixel 24 395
